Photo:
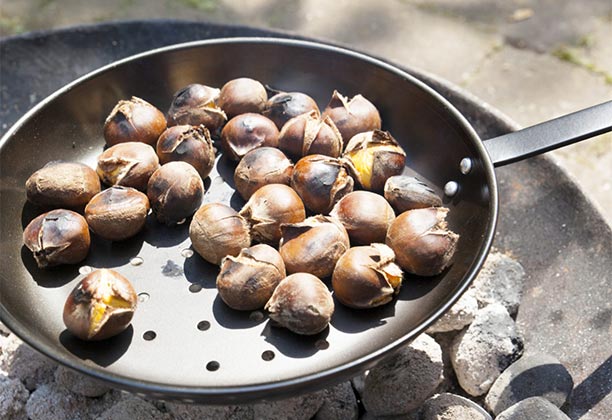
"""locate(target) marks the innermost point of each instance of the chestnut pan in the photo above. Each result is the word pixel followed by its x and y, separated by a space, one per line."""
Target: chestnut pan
pixel 184 343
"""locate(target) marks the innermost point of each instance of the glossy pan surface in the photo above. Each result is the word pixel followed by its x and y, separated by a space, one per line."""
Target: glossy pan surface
pixel 184 342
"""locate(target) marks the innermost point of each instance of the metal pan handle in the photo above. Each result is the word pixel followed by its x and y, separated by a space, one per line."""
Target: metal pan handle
pixel 550 135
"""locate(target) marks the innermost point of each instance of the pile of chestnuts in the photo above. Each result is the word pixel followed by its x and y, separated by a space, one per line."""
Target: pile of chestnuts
pixel 327 207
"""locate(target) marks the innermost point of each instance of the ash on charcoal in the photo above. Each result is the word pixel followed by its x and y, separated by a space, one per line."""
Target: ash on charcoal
pixel 485 349
pixel 451 407
pixel 13 396
pixel 500 281
pixel 209 412
pixel 20 361
pixel 403 381
pixel 79 383
pixel 458 316
pixel 536 375
pixel 339 403
pixel 51 402
pixel 531 409
pixel 449 378
pixel 359 382
pixel 133 408
pixel 297 408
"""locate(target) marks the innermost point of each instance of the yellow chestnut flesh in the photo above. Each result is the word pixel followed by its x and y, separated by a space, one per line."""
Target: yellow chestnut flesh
pixel 100 306
pixel 301 303
pixel 366 276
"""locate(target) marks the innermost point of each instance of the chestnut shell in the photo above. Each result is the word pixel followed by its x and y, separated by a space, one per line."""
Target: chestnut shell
pixel 134 120
pixel 309 134
pixel 242 95
pixel 283 106
pixel 353 116
pixel 188 144
pixel 260 167
pixel 128 164
pixel 246 132
pixel 195 104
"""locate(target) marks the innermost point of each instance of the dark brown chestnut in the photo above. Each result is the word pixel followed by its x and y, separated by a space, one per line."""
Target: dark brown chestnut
pixel 196 104
pixel 422 242
pixel 320 182
pixel 117 213
pixel 353 116
pixel 259 167
pixel 309 134
pixel 301 303
pixel 313 246
pixel 283 106
pixel 242 95
pixel 373 157
pixel 217 230
pixel 246 132
pixel 57 237
pixel 246 282
pixel 62 185
pixel 128 164
pixel 366 276
pixel 365 215
pixel 189 144
pixel 100 306
pixel 406 193
pixel 134 120
pixel 175 192
pixel 268 208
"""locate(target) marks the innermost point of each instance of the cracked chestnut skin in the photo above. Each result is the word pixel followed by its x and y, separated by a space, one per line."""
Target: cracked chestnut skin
pixel 196 104
pixel 100 306
pixel 62 185
pixel 366 276
pixel 246 282
pixel 117 213
pixel 407 193
pixel 313 246
pixel 283 106
pixel 301 303
pixel 352 116
pixel 260 167
pixel 242 95
pixel 188 144
pixel 268 208
pixel 246 132
pixel 422 242
pixel 217 230
pixel 175 192
pixel 128 164
pixel 134 120
pixel 321 181
pixel 309 134
pixel 57 237
pixel 365 215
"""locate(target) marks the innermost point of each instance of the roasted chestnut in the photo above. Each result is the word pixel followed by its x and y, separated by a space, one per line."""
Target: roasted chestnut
pixel 309 134
pixel 406 193
pixel 62 185
pixel 128 164
pixel 189 144
pixel 320 182
pixel 259 167
pixel 353 116
pixel 117 213
pixel 246 132
pixel 301 303
pixel 365 215
pixel 217 230
pixel 100 306
pixel 246 282
pixel 283 106
pixel 366 276
pixel 242 95
pixel 196 104
pixel 268 208
pixel 175 192
pixel 134 120
pixel 57 237
pixel 373 157
pixel 313 246
pixel 422 242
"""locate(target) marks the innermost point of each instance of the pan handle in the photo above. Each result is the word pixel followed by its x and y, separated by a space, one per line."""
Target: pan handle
pixel 550 135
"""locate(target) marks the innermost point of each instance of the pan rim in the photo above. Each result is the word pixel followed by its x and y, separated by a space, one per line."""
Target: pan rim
pixel 317 379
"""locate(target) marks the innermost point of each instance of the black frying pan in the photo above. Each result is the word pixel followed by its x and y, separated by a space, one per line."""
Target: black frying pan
pixel 184 343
